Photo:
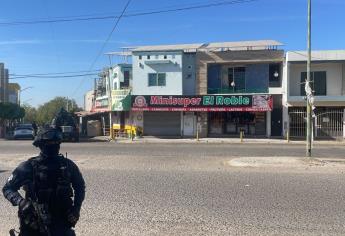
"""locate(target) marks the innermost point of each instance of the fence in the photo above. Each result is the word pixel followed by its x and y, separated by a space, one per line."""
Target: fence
pixel 327 123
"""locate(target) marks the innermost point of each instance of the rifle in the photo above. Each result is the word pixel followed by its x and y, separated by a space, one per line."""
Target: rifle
pixel 13 232
pixel 43 218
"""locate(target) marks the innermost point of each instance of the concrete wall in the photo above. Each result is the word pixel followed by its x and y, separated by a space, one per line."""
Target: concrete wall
pixel 173 70
pixel 88 100
pixel 117 75
pixel 334 77
pixel 188 73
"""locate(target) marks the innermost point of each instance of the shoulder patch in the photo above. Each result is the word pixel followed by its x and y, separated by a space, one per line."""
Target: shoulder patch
pixel 10 178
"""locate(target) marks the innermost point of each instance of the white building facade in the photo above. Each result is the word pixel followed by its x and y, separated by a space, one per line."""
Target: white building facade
pixel 328 85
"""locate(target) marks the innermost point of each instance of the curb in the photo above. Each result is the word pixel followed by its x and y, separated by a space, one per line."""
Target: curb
pixel 278 162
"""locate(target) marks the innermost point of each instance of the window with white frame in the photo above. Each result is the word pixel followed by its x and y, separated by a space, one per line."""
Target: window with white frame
pixel 156 79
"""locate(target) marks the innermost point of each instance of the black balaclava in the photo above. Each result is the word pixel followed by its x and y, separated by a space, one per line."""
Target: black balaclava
pixel 50 150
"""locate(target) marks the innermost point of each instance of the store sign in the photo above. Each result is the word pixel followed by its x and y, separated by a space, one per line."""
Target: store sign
pixel 203 103
pixel 121 100
pixel 101 105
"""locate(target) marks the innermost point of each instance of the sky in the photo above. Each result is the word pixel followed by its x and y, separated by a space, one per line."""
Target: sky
pixel 74 46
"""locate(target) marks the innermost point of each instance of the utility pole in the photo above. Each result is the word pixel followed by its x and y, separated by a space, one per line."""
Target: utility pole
pixel 309 108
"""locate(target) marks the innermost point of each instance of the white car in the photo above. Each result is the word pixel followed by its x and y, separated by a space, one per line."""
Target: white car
pixel 24 132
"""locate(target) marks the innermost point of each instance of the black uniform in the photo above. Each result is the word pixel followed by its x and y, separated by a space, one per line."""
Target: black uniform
pixel 51 182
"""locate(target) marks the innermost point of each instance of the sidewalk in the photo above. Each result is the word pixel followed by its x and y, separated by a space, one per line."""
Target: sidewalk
pixel 149 139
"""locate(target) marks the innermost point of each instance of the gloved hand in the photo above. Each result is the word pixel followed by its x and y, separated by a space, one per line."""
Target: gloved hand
pixel 25 207
pixel 73 217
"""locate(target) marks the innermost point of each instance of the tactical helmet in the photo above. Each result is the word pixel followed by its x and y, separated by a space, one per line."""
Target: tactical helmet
pixel 48 136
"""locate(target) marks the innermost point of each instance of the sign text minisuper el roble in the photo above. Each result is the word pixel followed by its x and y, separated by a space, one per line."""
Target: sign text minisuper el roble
pixel 202 103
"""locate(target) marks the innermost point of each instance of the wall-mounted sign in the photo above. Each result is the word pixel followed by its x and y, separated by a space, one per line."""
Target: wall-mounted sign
pixel 101 105
pixel 202 103
pixel 121 100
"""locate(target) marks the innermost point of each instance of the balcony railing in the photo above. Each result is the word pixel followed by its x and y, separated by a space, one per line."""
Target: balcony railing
pixel 235 91
pixel 121 92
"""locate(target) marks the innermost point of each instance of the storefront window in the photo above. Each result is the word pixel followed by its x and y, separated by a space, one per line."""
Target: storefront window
pixel 232 123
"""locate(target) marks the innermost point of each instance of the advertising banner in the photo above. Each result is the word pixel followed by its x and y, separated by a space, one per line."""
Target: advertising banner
pixel 202 103
pixel 101 105
pixel 121 100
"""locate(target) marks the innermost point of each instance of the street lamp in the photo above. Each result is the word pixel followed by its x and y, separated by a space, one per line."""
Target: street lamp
pixel 21 90
pixel 27 100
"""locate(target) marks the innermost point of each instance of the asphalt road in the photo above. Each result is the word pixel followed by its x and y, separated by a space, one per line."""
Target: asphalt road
pixel 187 189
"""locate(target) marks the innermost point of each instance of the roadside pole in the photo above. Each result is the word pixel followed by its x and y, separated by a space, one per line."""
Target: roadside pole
pixel 309 108
pixel 110 101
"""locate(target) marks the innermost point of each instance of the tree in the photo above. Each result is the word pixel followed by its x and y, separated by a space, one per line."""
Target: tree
pixel 11 111
pixel 30 113
pixel 47 111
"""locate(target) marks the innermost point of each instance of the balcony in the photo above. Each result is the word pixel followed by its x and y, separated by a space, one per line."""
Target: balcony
pixel 236 91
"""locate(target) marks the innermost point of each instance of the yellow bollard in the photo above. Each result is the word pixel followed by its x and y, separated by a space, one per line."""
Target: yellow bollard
pixel 241 136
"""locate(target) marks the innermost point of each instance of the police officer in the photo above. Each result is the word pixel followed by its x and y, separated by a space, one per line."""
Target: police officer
pixel 54 189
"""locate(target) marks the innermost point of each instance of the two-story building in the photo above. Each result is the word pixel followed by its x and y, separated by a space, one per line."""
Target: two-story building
pixel 163 70
pixel 109 102
pixel 328 85
pixel 217 89
pixel 13 93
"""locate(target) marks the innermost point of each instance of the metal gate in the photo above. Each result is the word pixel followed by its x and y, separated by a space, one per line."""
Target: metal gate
pixel 161 123
pixel 328 123
pixel 297 122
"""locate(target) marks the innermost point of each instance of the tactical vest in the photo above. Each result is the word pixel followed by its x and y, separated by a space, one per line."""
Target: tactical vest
pixel 51 184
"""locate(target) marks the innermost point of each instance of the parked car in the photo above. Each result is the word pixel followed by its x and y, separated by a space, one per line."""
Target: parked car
pixel 24 131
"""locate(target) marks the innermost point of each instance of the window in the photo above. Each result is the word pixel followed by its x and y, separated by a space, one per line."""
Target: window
pixel 274 75
pixel 161 79
pixel 237 80
pixel 140 57
pixel 318 83
pixel 157 79
pixel 125 83
pixel 152 79
pixel 156 57
pixel 165 57
pixel 148 57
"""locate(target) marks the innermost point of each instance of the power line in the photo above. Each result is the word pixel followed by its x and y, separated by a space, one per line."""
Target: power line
pixel 57 73
pixel 51 77
pixel 102 14
pixel 75 19
pixel 104 44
